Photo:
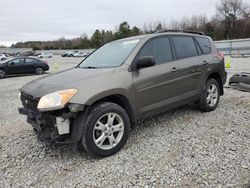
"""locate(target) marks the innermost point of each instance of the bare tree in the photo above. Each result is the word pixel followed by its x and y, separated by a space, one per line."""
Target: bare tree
pixel 228 12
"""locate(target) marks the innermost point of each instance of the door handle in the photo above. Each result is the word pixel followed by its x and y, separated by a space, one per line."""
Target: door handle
pixel 174 69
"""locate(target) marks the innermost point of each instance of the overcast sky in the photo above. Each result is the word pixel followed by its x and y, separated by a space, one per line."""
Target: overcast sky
pixel 24 20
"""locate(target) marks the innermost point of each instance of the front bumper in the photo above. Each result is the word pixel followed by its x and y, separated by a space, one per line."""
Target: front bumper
pixel 33 118
pixel 52 127
pixel 46 126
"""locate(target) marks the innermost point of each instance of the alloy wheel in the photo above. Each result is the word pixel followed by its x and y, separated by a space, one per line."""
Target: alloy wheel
pixel 39 70
pixel 2 73
pixel 212 94
pixel 108 131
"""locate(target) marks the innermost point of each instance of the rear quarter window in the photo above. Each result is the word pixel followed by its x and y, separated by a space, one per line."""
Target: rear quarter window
pixel 204 44
pixel 184 47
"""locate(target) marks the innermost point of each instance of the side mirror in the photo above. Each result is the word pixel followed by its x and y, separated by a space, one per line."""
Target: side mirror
pixel 12 63
pixel 144 62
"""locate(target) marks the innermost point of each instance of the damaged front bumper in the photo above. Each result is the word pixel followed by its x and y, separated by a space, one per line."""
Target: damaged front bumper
pixel 53 126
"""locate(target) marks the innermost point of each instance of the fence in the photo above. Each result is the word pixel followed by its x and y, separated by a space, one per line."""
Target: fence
pixel 234 47
pixel 15 50
pixel 60 52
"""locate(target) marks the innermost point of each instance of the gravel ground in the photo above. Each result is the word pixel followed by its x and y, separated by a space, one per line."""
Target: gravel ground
pixel 183 147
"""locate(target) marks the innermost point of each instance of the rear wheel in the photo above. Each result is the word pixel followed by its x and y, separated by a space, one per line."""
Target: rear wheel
pixel 39 70
pixel 106 130
pixel 2 73
pixel 210 96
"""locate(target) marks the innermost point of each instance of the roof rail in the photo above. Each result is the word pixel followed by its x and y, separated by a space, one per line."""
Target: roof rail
pixel 181 31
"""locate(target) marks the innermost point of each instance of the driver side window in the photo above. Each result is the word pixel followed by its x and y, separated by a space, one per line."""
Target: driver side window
pixel 159 48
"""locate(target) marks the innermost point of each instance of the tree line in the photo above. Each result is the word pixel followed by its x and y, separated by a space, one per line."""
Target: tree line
pixel 231 21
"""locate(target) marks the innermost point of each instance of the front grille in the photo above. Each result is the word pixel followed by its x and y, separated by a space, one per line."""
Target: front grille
pixel 29 102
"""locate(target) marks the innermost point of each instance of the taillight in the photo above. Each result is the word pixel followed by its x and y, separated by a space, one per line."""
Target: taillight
pixel 220 55
pixel 46 62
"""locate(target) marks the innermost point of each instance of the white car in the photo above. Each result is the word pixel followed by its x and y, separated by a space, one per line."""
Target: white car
pixel 3 57
pixel 42 55
pixel 80 54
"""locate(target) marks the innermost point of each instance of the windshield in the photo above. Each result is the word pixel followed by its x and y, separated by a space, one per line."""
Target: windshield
pixel 110 55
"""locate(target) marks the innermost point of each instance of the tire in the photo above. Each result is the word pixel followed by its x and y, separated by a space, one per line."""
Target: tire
pixel 210 97
pixel 39 70
pixel 102 137
pixel 2 73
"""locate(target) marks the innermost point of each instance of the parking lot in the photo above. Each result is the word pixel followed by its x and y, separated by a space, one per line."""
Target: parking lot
pixel 183 147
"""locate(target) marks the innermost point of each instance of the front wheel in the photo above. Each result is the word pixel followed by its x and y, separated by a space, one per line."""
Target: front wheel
pixel 106 130
pixel 210 96
pixel 2 73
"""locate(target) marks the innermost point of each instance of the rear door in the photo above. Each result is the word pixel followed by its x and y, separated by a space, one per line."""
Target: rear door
pixel 189 66
pixel 208 57
pixel 30 64
pixel 16 66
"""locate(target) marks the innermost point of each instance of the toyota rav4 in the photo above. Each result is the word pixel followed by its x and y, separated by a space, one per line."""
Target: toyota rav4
pixel 96 103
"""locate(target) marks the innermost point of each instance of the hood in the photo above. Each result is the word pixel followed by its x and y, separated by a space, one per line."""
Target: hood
pixel 72 78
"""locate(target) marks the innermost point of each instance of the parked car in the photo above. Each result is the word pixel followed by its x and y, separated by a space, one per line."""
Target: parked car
pixel 80 54
pixel 17 54
pixel 96 103
pixel 67 54
pixel 44 55
pixel 23 65
pixel 3 57
pixel 71 54
pixel 7 54
pixel 30 53
pixel 37 53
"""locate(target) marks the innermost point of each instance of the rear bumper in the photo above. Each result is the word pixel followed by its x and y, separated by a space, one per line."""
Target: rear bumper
pixel 47 68
pixel 243 78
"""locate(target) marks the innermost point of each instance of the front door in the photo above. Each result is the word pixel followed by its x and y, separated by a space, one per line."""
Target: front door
pixel 156 86
pixel 16 66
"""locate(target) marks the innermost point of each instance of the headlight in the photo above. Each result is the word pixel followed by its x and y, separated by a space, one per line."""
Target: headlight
pixel 56 100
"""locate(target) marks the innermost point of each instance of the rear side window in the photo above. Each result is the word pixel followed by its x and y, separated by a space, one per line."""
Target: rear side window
pixel 184 47
pixel 29 60
pixel 159 48
pixel 205 45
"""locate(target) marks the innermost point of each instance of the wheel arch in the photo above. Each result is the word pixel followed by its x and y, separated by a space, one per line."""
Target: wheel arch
pixel 217 77
pixel 123 102
pixel 38 66
pixel 3 68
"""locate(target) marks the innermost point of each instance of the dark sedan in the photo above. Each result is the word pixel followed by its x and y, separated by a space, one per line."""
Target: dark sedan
pixel 23 65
